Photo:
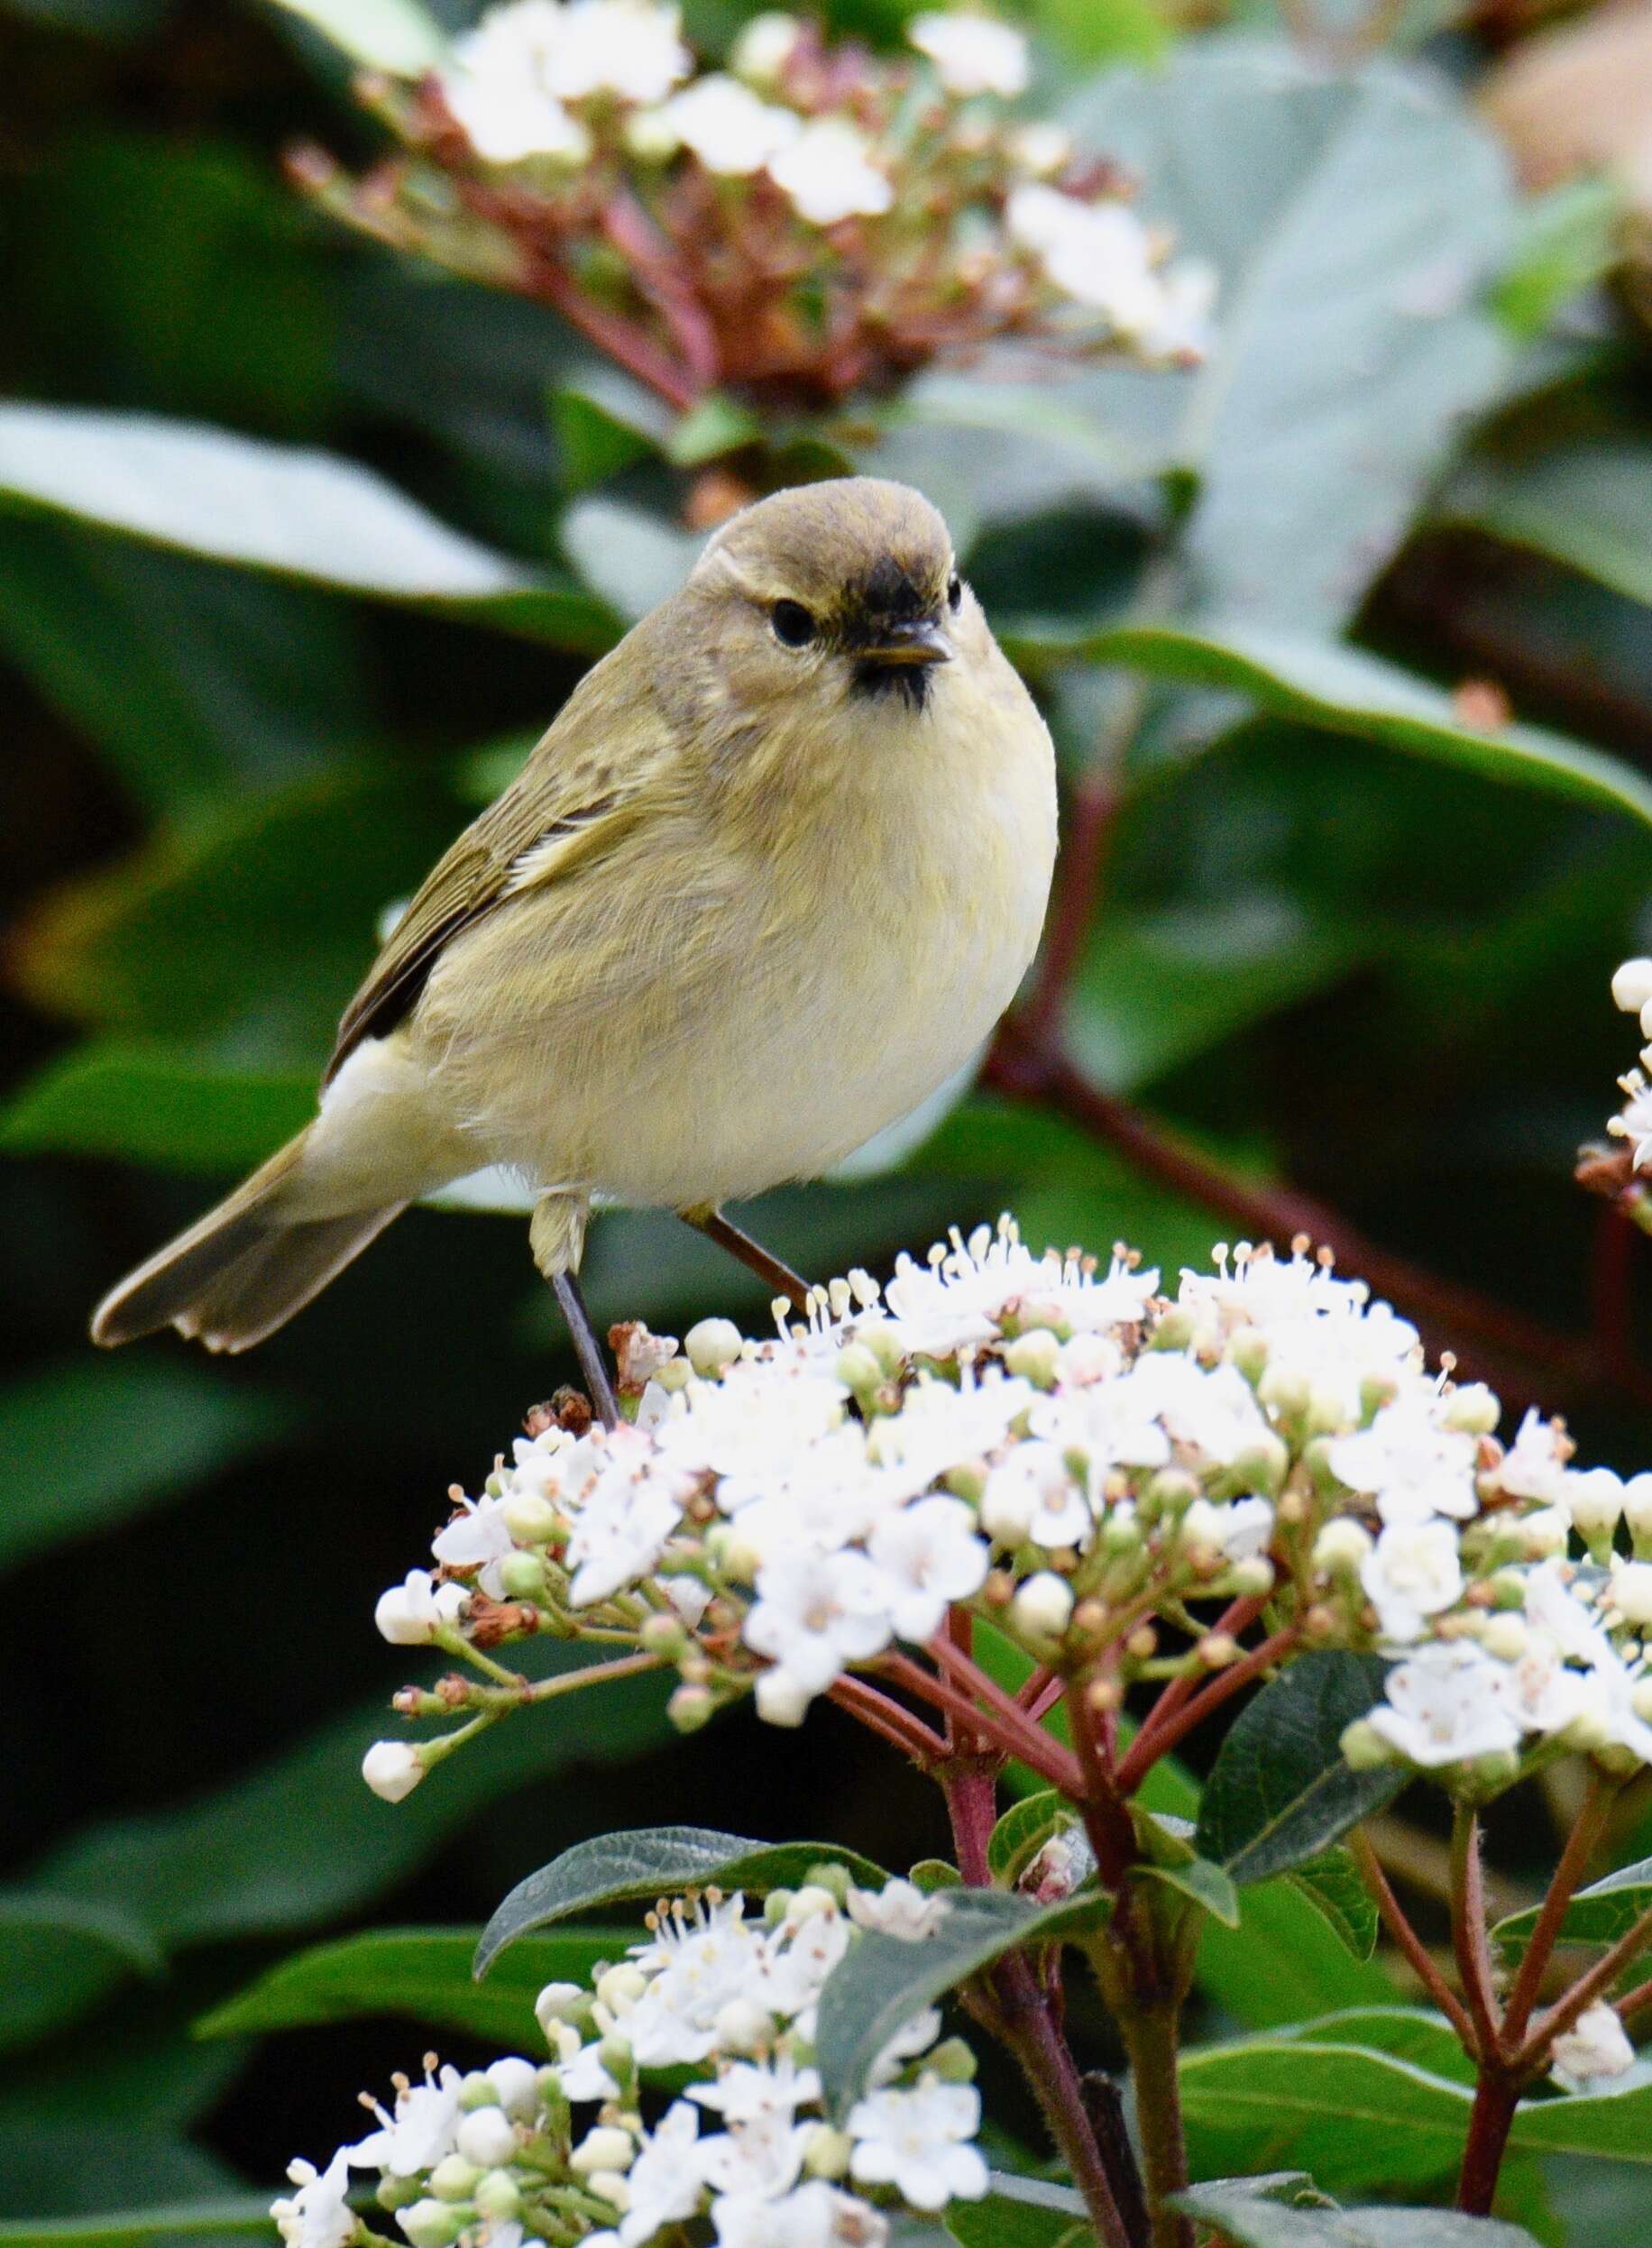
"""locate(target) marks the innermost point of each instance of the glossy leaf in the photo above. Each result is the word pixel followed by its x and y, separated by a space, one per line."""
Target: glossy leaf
pixel 163 1427
pixel 1333 1886
pixel 154 1105
pixel 302 514
pixel 1414 2033
pixel 57 1956
pixel 1020 2213
pixel 422 1975
pixel 235 2213
pixel 1584 505
pixel 650 1862
pixel 1022 1831
pixel 1598 1914
pixel 631 559
pixel 78 2171
pixel 1253 2220
pixel 1343 689
pixel 882 1981
pixel 1202 1884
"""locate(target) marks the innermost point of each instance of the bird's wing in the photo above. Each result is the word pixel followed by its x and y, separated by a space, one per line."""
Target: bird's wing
pixel 573 800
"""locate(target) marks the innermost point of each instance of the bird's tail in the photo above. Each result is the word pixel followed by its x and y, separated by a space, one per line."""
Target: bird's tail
pixel 245 1268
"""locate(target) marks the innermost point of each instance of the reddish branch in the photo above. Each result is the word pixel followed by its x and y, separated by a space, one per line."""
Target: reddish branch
pixel 1157 1739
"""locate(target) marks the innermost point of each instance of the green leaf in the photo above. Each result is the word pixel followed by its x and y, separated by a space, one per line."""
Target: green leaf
pixel 631 559
pixel 211 1871
pixel 1414 2033
pixel 89 1443
pixel 51 2170
pixel 1354 224
pixel 58 1954
pixel 300 514
pixel 1598 1914
pixel 1022 2213
pixel 423 1974
pixel 395 35
pixel 1280 1791
pixel 605 423
pixel 151 1104
pixel 650 1862
pixel 1251 2220
pixel 1202 1884
pixel 1567 241
pixel 1022 1831
pixel 1333 1886
pixel 1323 684
pixel 235 2213
pixel 1585 504
pixel 882 1981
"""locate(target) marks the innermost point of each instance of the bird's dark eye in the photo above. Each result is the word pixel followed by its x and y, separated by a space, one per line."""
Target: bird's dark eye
pixel 955 592
pixel 793 626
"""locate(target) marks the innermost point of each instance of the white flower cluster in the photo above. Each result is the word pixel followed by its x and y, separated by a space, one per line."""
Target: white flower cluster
pixel 523 2152
pixel 1062 1448
pixel 1632 987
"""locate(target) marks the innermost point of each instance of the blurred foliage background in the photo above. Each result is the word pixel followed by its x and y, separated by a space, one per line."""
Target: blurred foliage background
pixel 1346 640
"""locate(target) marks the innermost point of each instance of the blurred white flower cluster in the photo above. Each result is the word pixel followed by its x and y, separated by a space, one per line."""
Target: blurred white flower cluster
pixel 808 221
pixel 1632 987
pixel 723 1996
pixel 1056 1446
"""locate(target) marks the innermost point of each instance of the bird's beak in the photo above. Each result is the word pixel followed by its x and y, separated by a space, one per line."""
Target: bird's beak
pixel 918 640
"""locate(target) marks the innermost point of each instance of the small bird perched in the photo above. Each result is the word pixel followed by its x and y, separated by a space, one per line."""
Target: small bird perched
pixel 769 879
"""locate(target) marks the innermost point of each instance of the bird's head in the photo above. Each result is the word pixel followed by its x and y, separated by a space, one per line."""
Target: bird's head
pixel 838 592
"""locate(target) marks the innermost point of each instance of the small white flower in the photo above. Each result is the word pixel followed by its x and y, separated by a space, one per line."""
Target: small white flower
pixel 828 174
pixel 929 1555
pixel 318 2216
pixel 698 1961
pixel 1039 147
pixel 1447 1703
pixel 623 47
pixel 1595 2050
pixel 421 2132
pixel 624 1520
pixel 732 133
pixel 1534 1465
pixel 972 54
pixel 392 1769
pixel 477 1537
pixel 764 48
pixel 920 2140
pixel 1631 986
pixel 662 2183
pixel 1412 1573
pixel 817 1612
pixel 813 2215
pixel 749 2091
pixel 757 2159
pixel 1552 1607
pixel 412 1613
pixel 939 1427
pixel 497 91
pixel 1630 1591
pixel 1409 1463
pixel 900 1908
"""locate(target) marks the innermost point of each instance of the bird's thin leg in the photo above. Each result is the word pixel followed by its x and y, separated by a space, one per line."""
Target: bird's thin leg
pixel 587 1349
pixel 781 1281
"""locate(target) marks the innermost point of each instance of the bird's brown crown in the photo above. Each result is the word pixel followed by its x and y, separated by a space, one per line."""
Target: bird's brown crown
pixel 860 554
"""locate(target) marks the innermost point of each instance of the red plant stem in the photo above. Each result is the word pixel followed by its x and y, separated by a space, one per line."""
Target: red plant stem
pixel 1583 1994
pixel 896 1725
pixel 1496 2097
pixel 1580 1847
pixel 1237 1616
pixel 1092 813
pixel 1468 1933
pixel 650 259
pixel 967 1673
pixel 1488 1337
pixel 1634 2003
pixel 1037 1686
pixel 1410 1943
pixel 1154 1742
pixel 1047 1757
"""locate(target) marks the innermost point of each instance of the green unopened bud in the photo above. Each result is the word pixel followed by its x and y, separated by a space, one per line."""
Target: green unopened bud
pixel 434 2224
pixel 1508 1588
pixel 454 2179
pixel 1474 1408
pixel 1036 1356
pixel 530 1519
pixel 1261 1467
pixel 616 2056
pixel 475 2091
pixel 829 1876
pixel 776 1905
pixel 1496 1769
pixel 1363 1747
pixel 827 2152
pixel 1251 1579
pixel 663 1635
pixel 858 1370
pixel 951 2061
pixel 712 1346
pixel 1174 1329
pixel 967 1481
pixel 810 1902
pixel 691 1706
pixel 1171 1492
pixel 674 1376
pixel 1248 1349
pixel 1285 1390
pixel 881 1339
pixel 522 1578
pixel 398 2193
pixel 498 2196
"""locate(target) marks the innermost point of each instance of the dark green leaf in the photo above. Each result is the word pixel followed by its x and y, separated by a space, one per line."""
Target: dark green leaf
pixel 74 2172
pixel 1584 505
pixel 149 1104
pixel 1202 1884
pixel 604 424
pixel 423 1974
pixel 1414 2033
pixel 58 1954
pixel 236 2213
pixel 1280 1791
pixel 651 1862
pixel 301 514
pixel 1598 1914
pixel 92 1444
pixel 1323 683
pixel 1251 2220
pixel 1020 2213
pixel 1022 1831
pixel 1332 1885
pixel 882 1981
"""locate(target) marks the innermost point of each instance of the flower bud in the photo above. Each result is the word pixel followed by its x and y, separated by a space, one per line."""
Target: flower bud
pixel 1363 1747
pixel 499 2198
pixel 454 2179
pixel 1261 1467
pixel 743 2026
pixel 620 1986
pixel 1595 1497
pixel 1474 1408
pixel 1218 1649
pixel 1036 1357
pixel 763 49
pixel 663 1636
pixel 1042 1607
pixel 1202 1528
pixel 691 1706
pixel 1342 1548
pixel 831 1876
pixel 951 2061
pixel 531 1520
pixel 1253 1577
pixel 652 138
pixel 1543 1534
pixel 476 2092
pixel 1175 1329
pixel 1630 1591
pixel 859 1370
pixel 433 2223
pixel 1641 1700
pixel 1285 1390
pixel 1631 986
pixel 1638 1513
pixel 1505 1635
pixel 487 2138
pixel 516 2082
pixel 602 2148
pixel 522 1578
pixel 712 1346
pixel 826 2152
pixel 968 1481
pixel 558 2002
pixel 1496 1769
pixel 1247 1347
pixel 609 2186
pixel 781 1698
pixel 883 1341
pixel 398 2193
pixel 776 1906
pixel 393 1770
pixel 810 1902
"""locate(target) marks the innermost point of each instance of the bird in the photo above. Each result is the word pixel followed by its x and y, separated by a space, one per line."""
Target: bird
pixel 767 881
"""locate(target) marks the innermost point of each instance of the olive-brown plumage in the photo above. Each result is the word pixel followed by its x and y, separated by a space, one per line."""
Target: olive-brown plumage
pixel 769 879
